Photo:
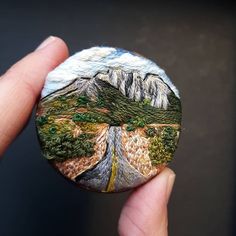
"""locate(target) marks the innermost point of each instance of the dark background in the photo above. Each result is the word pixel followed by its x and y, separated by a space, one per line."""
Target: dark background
pixel 195 44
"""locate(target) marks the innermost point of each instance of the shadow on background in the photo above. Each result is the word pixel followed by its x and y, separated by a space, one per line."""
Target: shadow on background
pixel 195 44
pixel 233 213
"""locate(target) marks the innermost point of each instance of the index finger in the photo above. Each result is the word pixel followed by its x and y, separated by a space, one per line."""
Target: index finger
pixel 21 85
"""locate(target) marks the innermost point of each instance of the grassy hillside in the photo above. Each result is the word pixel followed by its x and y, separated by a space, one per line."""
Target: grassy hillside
pixel 112 107
pixel 59 117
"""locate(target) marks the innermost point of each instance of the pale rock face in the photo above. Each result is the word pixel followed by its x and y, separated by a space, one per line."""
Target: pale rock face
pixel 137 89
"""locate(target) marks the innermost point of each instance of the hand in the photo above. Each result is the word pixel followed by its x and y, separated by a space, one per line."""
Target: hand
pixel 145 212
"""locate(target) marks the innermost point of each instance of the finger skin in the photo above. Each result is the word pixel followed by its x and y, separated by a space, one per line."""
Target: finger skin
pixel 145 212
pixel 20 87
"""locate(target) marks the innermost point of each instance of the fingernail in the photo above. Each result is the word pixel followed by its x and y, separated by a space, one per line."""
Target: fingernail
pixel 46 42
pixel 170 184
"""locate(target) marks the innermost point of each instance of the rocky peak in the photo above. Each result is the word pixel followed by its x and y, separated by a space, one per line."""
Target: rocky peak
pixel 133 86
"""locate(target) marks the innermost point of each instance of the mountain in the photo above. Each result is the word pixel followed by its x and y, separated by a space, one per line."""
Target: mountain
pixel 89 62
pixel 130 85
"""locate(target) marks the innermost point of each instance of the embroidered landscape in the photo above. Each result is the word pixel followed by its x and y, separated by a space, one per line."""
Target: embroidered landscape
pixel 111 131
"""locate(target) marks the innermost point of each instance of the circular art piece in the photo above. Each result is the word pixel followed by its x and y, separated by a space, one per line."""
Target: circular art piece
pixel 108 119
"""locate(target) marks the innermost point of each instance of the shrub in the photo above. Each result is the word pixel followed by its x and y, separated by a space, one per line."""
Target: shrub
pixel 41 120
pixel 63 146
pixel 82 100
pixel 163 146
pixel 135 122
pixel 151 132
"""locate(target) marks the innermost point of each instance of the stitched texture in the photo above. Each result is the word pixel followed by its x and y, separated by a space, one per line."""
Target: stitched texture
pixel 108 119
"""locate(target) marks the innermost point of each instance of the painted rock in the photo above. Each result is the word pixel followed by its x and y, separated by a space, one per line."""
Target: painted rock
pixel 108 119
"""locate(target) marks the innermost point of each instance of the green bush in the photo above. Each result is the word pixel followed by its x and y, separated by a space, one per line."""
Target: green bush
pixel 163 146
pixel 41 120
pixel 63 146
pixel 169 138
pixel 151 132
pixel 83 117
pixel 82 100
pixel 130 127
pixel 135 122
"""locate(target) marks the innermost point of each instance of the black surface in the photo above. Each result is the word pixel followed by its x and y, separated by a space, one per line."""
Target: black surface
pixel 195 44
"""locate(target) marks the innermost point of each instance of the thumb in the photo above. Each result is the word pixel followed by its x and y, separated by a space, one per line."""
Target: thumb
pixel 145 212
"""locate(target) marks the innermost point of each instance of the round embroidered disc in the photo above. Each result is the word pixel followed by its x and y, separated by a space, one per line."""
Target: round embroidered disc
pixel 108 119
